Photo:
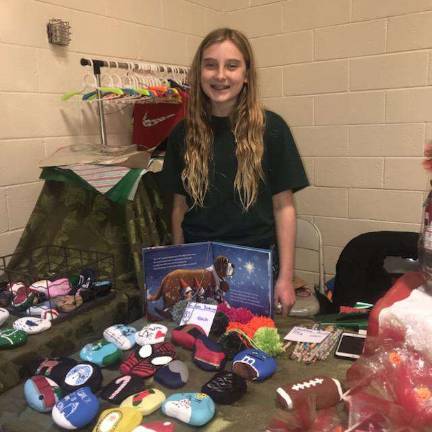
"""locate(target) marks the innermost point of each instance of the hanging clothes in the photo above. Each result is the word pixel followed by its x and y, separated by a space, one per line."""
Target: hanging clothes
pixel 152 123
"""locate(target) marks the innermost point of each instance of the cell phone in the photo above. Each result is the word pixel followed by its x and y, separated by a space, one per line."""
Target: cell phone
pixel 350 346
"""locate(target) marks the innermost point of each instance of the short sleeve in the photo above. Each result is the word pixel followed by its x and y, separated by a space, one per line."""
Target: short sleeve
pixel 285 167
pixel 173 161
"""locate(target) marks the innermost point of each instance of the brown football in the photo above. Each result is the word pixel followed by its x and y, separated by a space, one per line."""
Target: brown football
pixel 322 391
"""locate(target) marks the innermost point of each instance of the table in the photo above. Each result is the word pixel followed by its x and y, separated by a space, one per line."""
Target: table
pixel 251 413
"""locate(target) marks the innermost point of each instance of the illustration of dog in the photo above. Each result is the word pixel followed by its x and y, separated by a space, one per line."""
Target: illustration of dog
pixel 210 280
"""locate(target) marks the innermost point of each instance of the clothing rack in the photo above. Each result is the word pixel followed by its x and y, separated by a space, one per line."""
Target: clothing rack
pixel 97 64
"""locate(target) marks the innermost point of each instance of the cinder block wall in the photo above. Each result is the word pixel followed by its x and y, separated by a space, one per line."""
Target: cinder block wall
pixel 351 77
pixel 353 80
pixel 34 74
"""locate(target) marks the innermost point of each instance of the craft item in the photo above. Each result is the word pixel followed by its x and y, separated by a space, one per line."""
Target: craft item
pixel 220 324
pixel 145 360
pixel 76 410
pixel 41 393
pixel 67 303
pixel 40 286
pixel 58 287
pixel 254 365
pixel 55 368
pixel 225 388
pixel 4 315
pixel 121 335
pixel 174 375
pixel 208 355
pixel 121 419
pixel 102 353
pixel 155 426
pixel 303 334
pixel 122 387
pixel 323 391
pixel 32 325
pixel 11 338
pixel 15 286
pixel 186 335
pixel 151 334
pixel 81 375
pixel 23 299
pixel 146 401
pixel 195 409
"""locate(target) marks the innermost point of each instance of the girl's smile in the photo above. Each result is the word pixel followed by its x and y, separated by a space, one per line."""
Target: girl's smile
pixel 223 75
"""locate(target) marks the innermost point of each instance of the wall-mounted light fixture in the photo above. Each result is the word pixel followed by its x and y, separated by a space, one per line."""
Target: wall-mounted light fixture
pixel 59 32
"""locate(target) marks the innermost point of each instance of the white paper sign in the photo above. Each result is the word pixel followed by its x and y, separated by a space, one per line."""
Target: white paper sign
pixel 302 334
pixel 200 314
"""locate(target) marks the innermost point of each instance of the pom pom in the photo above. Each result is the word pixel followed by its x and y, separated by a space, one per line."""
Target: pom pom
pixel 267 339
pixel 241 315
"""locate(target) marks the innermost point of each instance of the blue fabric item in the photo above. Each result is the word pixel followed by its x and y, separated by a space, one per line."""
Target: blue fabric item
pixel 254 364
pixel 76 410
pixel 195 409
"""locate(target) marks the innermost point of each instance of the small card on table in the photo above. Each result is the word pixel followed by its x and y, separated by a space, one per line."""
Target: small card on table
pixel 307 335
pixel 200 314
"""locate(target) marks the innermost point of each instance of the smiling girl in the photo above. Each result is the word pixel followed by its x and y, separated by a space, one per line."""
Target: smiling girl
pixel 233 166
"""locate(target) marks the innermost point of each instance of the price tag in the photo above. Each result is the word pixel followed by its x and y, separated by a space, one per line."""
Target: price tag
pixel 302 334
pixel 200 314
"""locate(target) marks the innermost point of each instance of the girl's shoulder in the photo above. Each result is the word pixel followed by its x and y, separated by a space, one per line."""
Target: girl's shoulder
pixel 274 121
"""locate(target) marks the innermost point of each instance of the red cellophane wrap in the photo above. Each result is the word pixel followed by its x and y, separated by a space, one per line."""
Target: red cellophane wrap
pixel 305 418
pixel 390 390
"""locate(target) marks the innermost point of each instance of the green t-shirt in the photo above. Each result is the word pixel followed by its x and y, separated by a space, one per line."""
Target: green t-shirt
pixel 223 218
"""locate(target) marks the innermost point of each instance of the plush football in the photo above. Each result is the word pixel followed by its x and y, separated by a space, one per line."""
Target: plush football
pixel 41 393
pixel 323 391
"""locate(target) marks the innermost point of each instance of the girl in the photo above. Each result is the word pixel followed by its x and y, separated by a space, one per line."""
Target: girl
pixel 232 166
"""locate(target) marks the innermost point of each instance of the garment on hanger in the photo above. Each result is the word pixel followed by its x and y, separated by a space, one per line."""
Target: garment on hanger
pixel 152 123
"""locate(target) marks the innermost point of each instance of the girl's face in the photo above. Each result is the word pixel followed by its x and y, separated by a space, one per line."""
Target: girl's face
pixel 223 74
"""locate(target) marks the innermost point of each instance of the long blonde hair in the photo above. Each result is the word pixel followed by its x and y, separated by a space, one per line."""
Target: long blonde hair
pixel 247 120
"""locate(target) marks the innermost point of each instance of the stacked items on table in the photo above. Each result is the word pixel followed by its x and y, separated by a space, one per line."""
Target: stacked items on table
pixel 43 301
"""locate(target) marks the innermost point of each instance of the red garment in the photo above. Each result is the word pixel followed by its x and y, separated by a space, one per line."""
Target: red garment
pixel 153 122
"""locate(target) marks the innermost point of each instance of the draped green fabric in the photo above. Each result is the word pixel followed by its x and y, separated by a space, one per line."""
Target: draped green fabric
pixel 67 214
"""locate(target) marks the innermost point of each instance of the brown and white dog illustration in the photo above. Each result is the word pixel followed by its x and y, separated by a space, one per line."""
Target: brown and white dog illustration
pixel 210 280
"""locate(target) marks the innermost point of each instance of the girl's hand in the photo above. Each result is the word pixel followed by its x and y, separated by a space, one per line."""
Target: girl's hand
pixel 284 294
pixel 427 162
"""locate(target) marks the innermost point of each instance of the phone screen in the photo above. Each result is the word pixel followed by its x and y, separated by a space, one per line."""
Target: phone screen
pixel 350 345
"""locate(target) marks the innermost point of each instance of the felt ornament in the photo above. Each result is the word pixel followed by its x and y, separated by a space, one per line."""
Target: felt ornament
pixel 267 339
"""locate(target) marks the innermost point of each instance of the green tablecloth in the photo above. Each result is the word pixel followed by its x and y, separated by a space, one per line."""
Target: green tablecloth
pixel 251 413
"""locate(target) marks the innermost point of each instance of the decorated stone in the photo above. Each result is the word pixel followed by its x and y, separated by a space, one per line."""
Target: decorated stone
pixel 121 419
pixel 45 310
pixel 121 335
pixel 173 375
pixel 151 334
pixel 40 286
pixel 76 410
pixel 83 375
pixel 41 393
pixel 146 401
pixel 155 426
pixel 102 353
pixel 10 338
pixel 4 315
pixel 254 365
pixel 32 325
pixel 195 409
